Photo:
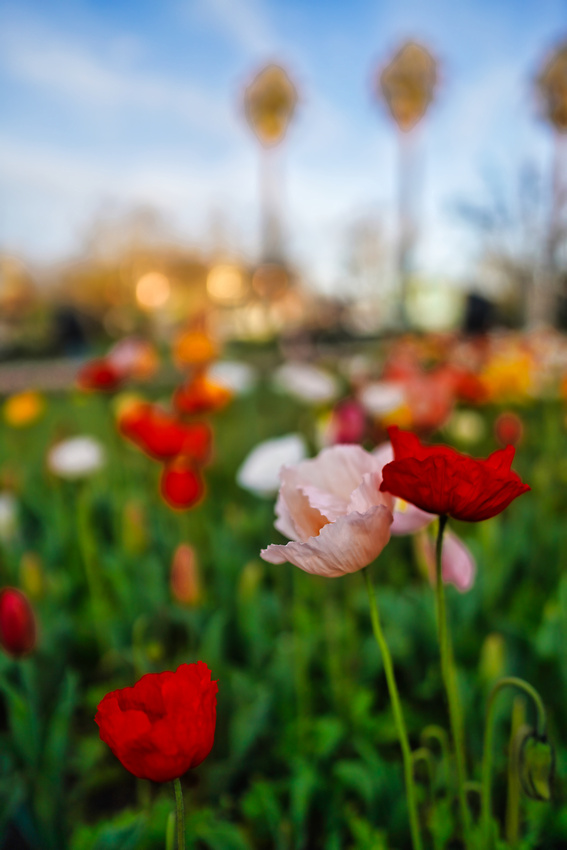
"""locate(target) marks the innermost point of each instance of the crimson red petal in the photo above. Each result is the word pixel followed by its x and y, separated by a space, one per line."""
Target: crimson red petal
pixel 440 480
pixel 164 725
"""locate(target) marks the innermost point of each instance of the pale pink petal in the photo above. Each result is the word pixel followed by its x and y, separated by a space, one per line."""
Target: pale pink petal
pixel 384 453
pixel 284 522
pixel 368 493
pixel 337 470
pixel 344 546
pixel 307 521
pixel 408 518
pixel 457 563
pixel 329 505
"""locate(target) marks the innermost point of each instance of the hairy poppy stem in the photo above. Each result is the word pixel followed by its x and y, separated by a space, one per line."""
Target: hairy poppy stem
pixel 398 715
pixel 179 814
pixel 450 682
pixel 513 682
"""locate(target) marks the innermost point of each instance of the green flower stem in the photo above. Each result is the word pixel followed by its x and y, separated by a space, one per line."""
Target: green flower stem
pixel 88 549
pixel 398 716
pixel 514 786
pixel 512 682
pixel 450 682
pixel 179 814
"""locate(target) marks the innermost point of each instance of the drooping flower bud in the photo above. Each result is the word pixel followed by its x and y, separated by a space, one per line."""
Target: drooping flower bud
pixel 184 578
pixel 18 629
pixel 536 764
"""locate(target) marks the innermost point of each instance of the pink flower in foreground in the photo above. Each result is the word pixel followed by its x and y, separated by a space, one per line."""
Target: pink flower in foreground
pixel 332 509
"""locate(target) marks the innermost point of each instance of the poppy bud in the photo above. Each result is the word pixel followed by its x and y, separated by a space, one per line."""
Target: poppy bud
pixel 181 484
pixel 134 528
pixel 250 580
pixel 509 429
pixel 31 574
pixel 17 623
pixel 184 578
pixel 492 657
pixel 537 765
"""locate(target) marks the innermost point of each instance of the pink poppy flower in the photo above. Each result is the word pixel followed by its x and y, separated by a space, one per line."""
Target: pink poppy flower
pixel 332 509
pixel 458 566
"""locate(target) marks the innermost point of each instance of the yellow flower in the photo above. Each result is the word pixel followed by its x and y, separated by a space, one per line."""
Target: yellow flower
pixel 509 376
pixel 21 409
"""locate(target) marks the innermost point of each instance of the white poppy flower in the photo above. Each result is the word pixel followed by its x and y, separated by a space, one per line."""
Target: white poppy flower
pixel 382 397
pixel 238 377
pixel 8 517
pixel 77 457
pixel 260 471
pixel 306 382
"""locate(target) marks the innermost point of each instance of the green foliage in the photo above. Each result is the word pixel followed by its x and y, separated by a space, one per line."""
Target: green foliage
pixel 305 754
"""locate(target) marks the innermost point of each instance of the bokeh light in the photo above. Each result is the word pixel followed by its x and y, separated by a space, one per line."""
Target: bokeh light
pixel 152 290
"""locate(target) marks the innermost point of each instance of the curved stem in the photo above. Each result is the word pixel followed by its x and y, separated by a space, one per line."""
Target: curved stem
pixel 398 715
pixel 179 814
pixel 512 682
pixel 422 754
pixel 514 784
pixel 449 680
pixel 437 733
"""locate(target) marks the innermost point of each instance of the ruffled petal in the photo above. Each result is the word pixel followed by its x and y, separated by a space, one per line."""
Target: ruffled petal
pixel 344 546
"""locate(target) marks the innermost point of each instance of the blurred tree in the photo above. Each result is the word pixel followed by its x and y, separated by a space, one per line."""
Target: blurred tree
pixel 520 230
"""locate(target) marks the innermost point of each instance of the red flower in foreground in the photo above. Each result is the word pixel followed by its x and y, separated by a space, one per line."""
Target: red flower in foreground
pixel 99 374
pixel 440 480
pixel 163 436
pixel 164 725
pixel 181 485
pixel 17 623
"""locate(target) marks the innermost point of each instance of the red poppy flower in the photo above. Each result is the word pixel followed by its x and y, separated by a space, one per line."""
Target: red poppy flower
pixel 201 395
pixel 440 480
pixel 164 725
pixel 17 622
pixel 181 485
pixel 163 436
pixel 99 374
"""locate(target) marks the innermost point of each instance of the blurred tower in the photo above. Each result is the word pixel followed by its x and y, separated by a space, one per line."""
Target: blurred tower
pixel 551 87
pixel 407 84
pixel 269 104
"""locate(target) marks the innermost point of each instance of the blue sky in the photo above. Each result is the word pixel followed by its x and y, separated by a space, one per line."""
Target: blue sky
pixel 108 104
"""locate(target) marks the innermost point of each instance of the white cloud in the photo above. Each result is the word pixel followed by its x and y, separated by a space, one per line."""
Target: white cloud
pixel 91 80
pixel 243 22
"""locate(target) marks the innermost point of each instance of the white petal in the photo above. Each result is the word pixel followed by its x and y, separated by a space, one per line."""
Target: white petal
pixel 260 471
pixel 306 382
